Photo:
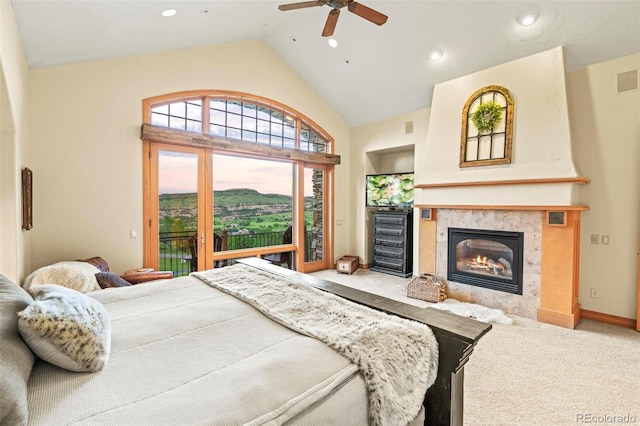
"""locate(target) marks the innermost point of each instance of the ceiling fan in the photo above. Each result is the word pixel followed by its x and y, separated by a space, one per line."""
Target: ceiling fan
pixel 353 7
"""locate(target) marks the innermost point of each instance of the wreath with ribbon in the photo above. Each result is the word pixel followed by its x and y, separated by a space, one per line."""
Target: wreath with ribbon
pixel 487 116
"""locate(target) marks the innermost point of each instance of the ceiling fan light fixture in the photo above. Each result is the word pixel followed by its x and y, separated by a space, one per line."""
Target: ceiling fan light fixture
pixel 333 42
pixel 168 12
pixel 352 6
pixel 436 55
pixel 528 19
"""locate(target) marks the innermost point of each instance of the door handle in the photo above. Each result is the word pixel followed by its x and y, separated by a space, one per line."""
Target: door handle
pixel 202 239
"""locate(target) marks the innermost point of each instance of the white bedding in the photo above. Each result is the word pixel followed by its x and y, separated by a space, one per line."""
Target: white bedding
pixel 176 359
pixel 186 353
pixel 397 357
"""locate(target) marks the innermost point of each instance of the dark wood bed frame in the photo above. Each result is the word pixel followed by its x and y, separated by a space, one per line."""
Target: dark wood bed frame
pixel 456 338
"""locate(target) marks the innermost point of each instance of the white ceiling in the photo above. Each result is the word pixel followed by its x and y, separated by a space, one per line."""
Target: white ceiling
pixel 374 73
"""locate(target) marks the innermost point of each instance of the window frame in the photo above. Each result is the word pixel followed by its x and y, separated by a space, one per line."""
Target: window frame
pixel 153 134
pixel 465 137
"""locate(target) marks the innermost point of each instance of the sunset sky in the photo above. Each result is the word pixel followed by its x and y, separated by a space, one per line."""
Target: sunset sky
pixel 178 174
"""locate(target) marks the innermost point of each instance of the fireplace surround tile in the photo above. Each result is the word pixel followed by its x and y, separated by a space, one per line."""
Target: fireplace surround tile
pixel 529 222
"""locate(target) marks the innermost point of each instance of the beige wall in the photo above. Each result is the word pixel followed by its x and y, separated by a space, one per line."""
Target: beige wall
pixel 14 87
pixel 85 138
pixel 606 135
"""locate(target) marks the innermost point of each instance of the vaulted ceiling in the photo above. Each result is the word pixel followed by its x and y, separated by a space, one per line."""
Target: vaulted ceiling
pixel 375 72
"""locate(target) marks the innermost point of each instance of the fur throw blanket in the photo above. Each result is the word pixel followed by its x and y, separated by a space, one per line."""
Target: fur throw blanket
pixel 397 357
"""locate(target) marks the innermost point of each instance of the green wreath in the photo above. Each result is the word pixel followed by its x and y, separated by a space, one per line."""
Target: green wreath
pixel 487 116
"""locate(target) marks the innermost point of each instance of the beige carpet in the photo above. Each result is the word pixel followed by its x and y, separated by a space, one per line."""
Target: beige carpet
pixel 394 287
pixel 529 373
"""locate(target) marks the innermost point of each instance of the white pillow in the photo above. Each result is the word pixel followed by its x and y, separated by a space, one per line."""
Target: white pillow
pixel 66 328
pixel 76 275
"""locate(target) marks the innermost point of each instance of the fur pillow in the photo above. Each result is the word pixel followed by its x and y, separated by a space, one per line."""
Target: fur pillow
pixel 16 359
pixel 66 328
pixel 71 274
pixel 109 279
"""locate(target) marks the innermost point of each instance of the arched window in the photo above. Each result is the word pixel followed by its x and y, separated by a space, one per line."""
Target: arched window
pixel 487 123
pixel 238 117
pixel 231 175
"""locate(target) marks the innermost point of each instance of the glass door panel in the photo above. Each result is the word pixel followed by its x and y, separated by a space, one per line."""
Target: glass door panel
pixel 314 240
pixel 205 208
pixel 178 237
pixel 252 205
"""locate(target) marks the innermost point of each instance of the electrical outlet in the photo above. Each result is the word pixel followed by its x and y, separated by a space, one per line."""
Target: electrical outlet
pixel 605 239
pixel 595 293
pixel 595 239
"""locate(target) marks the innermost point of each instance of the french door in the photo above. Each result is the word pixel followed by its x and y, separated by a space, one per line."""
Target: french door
pixel 204 208
pixel 176 208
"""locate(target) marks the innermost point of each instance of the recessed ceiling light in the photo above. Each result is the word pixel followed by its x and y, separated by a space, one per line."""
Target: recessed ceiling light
pixel 436 55
pixel 168 12
pixel 333 42
pixel 528 19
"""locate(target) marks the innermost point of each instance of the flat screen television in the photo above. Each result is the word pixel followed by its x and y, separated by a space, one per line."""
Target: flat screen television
pixel 390 190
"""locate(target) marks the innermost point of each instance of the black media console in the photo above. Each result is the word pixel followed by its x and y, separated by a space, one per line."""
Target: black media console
pixel 393 242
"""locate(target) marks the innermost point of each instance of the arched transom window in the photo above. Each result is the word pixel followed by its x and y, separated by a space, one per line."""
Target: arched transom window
pixel 233 117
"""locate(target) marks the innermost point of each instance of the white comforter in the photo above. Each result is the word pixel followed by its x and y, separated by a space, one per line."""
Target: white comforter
pixel 184 353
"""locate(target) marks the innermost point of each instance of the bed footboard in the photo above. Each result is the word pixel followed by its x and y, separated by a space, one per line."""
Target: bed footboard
pixel 456 336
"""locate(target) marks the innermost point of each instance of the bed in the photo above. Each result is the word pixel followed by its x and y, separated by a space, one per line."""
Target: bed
pixel 210 349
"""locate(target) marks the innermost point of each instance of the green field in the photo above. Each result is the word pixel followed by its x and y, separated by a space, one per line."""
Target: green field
pixel 250 218
pixel 235 210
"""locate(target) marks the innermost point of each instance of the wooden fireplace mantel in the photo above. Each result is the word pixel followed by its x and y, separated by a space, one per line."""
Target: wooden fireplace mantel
pixel 545 181
pixel 567 207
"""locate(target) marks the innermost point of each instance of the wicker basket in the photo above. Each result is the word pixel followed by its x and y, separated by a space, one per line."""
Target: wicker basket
pixel 427 287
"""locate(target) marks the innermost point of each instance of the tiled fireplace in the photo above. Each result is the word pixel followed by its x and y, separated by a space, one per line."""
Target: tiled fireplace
pixel 536 191
pixel 528 223
pixel 548 290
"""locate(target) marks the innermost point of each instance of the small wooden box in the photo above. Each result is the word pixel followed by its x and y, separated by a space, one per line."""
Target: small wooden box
pixel 347 264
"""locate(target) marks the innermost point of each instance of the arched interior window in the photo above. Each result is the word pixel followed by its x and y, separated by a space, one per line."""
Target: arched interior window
pixel 230 175
pixel 487 123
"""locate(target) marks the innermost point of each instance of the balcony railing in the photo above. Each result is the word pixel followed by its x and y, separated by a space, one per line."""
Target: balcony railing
pixel 175 254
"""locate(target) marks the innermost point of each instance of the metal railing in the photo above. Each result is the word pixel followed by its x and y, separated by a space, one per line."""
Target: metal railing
pixel 175 254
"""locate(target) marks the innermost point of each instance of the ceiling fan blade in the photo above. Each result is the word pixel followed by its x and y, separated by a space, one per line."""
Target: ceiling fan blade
pixel 367 13
pixel 301 5
pixel 330 25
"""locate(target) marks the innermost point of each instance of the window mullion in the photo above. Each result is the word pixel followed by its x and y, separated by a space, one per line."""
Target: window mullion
pixel 298 131
pixel 206 115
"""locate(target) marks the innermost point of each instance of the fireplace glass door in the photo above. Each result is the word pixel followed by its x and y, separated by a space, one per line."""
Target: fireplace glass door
pixel 484 258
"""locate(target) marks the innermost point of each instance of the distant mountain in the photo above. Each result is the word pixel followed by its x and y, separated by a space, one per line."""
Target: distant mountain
pixel 230 202
pixel 239 196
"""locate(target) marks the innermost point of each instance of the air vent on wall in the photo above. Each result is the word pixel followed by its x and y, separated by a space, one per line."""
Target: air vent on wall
pixel 627 81
pixel 408 127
